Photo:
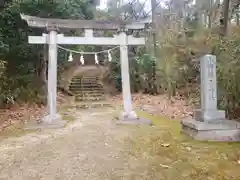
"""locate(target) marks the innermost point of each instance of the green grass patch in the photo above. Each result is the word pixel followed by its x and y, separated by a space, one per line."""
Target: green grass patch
pixel 170 155
pixel 68 118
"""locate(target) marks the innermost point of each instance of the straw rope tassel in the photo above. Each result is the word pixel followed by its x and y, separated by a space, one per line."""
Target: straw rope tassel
pixel 82 59
pixel 109 56
pixel 96 59
pixel 70 57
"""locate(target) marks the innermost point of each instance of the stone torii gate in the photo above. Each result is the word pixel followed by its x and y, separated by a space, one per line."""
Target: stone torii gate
pixel 53 39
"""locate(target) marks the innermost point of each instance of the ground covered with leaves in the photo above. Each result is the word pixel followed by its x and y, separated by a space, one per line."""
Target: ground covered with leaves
pixel 18 114
pixel 176 108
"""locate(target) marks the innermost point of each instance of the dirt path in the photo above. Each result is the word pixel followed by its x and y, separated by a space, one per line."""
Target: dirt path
pixel 89 148
pixel 93 148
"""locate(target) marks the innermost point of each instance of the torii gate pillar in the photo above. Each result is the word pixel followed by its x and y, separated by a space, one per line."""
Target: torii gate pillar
pixel 52 119
pixel 128 116
pixel 126 88
pixel 52 74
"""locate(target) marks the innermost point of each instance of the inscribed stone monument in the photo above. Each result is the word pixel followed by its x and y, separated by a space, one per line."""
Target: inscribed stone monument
pixel 210 123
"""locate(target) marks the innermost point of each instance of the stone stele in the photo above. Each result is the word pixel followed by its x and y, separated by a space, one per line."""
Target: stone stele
pixel 209 123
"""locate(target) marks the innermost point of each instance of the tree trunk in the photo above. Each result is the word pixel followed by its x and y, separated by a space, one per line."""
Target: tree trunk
pixel 210 20
pixel 225 17
pixel 154 39
pixel 237 16
pixel 42 74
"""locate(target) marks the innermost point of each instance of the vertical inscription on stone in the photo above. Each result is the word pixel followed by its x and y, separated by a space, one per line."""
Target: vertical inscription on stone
pixel 208 83
pixel 211 70
pixel 210 67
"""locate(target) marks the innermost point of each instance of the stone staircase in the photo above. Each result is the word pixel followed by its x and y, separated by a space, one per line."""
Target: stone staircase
pixel 87 89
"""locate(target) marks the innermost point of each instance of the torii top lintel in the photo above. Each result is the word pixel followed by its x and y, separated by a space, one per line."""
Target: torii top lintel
pixel 81 24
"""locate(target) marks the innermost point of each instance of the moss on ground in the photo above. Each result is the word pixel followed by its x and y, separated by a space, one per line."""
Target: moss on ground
pixel 68 118
pixel 170 155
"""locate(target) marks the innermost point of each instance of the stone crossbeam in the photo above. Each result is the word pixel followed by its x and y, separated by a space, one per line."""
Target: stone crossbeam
pixel 81 24
pixel 85 40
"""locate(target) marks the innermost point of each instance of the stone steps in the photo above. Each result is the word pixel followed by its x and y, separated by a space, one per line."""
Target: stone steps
pixel 87 89
pixel 86 85
pixel 90 98
pixel 89 93
pixel 85 81
pixel 93 104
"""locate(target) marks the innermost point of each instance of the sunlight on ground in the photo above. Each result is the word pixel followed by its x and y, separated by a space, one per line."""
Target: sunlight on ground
pixel 169 155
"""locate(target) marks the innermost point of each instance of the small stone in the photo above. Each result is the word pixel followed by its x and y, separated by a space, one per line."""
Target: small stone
pixel 224 156
pixel 188 148
pixel 165 145
pixel 238 161
pixel 164 166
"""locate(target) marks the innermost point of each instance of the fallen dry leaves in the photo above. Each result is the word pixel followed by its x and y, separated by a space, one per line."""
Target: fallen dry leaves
pixel 159 105
pixel 176 108
pixel 19 114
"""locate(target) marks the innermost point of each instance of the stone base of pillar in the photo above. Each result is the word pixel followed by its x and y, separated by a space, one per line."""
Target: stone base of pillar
pixel 132 118
pixel 209 115
pixel 218 130
pixel 46 123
